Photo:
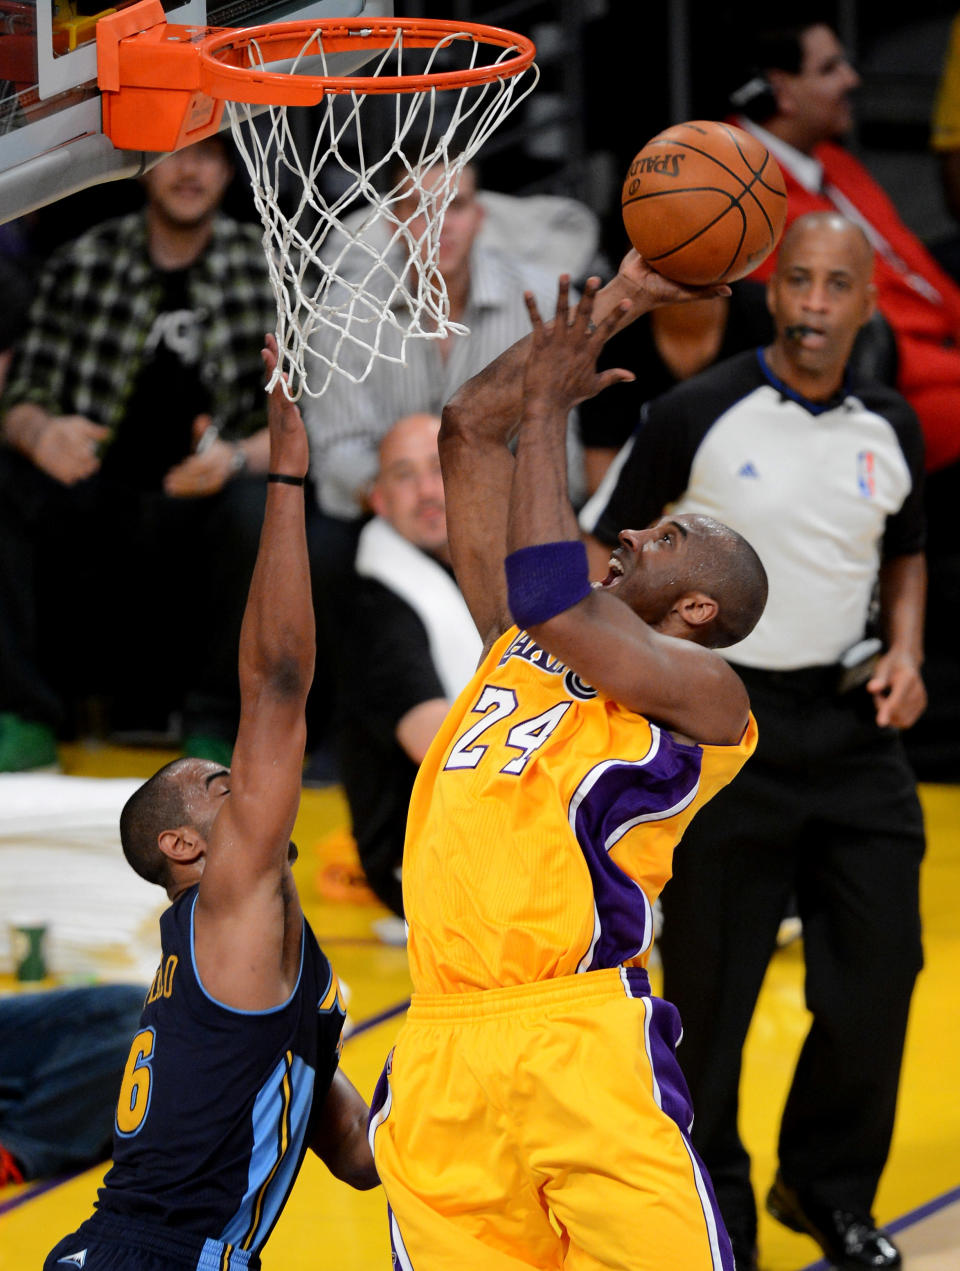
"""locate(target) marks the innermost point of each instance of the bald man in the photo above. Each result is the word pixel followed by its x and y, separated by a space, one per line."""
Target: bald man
pixel 409 646
pixel 826 483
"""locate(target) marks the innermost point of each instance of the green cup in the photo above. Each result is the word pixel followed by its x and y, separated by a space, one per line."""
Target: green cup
pixel 27 942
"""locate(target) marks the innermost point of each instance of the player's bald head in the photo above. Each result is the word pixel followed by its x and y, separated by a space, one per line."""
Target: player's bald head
pixel 726 566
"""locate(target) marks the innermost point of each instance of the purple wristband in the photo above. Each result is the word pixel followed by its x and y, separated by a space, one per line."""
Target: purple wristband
pixel 546 579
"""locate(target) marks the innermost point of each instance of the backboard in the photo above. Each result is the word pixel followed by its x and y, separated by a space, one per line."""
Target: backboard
pixel 51 138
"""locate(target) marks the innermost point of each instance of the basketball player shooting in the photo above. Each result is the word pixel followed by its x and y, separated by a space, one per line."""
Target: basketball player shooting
pixel 233 1073
pixel 532 1112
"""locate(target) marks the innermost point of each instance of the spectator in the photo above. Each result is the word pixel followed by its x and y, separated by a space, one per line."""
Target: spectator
pixel 133 417
pixel 828 484
pixel 62 1055
pixel 409 648
pixel 485 288
pixel 234 1071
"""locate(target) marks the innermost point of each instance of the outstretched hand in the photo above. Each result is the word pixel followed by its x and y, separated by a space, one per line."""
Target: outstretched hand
pixel 561 367
pixel 289 448
pixel 657 290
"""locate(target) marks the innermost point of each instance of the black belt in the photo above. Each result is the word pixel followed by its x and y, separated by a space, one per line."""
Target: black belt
pixel 810 681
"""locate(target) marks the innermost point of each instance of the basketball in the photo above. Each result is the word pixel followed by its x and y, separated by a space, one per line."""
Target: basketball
pixel 704 202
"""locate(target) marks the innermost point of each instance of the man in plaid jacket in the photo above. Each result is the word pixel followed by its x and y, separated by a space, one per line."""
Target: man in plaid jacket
pixel 131 475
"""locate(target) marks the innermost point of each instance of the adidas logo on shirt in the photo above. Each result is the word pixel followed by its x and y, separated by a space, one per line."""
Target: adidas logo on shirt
pixel 74 1259
pixel 748 470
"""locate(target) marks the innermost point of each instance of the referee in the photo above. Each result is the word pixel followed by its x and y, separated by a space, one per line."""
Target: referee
pixel 824 477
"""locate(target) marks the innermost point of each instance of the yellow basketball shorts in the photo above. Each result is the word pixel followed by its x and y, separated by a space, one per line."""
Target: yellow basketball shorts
pixel 543 1126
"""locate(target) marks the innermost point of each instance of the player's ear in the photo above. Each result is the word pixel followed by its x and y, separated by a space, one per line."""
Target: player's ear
pixel 696 609
pixel 183 844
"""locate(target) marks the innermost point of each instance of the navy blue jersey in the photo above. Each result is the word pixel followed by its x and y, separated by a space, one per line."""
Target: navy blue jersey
pixel 216 1105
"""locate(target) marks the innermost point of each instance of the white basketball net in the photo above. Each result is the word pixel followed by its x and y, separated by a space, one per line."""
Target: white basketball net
pixel 354 272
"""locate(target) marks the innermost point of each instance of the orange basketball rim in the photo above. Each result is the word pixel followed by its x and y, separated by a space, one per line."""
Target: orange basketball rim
pixel 164 85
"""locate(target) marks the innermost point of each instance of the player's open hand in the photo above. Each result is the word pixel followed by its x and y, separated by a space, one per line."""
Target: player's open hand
pixel 289 449
pixel 653 289
pixel 562 365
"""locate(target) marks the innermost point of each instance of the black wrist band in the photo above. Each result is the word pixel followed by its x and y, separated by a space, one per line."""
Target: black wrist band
pixel 282 479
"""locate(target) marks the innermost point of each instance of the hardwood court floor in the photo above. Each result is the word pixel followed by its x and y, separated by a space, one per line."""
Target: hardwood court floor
pixel 328 1225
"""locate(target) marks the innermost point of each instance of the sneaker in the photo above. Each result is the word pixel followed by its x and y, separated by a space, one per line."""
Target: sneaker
pixel 25 745
pixel 203 746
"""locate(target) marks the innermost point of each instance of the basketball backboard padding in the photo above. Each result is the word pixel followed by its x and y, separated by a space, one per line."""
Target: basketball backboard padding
pixel 67 170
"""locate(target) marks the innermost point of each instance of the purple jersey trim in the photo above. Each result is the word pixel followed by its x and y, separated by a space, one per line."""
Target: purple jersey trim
pixel 661 1035
pixel 613 798
pixel 401 1259
pixel 381 1102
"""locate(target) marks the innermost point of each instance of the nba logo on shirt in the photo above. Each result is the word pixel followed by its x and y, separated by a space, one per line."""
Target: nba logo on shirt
pixel 866 478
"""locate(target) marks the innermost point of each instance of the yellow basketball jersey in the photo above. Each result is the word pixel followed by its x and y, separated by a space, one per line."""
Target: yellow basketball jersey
pixel 542 826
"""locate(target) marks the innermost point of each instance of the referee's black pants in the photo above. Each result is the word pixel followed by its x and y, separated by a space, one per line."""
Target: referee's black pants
pixel 827 810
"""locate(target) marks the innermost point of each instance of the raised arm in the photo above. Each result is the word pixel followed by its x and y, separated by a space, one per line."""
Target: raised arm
pixel 480 422
pixel 681 684
pixel 477 426
pixel 248 920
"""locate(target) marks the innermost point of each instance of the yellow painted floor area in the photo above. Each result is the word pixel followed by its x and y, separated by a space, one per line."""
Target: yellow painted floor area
pixel 328 1225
